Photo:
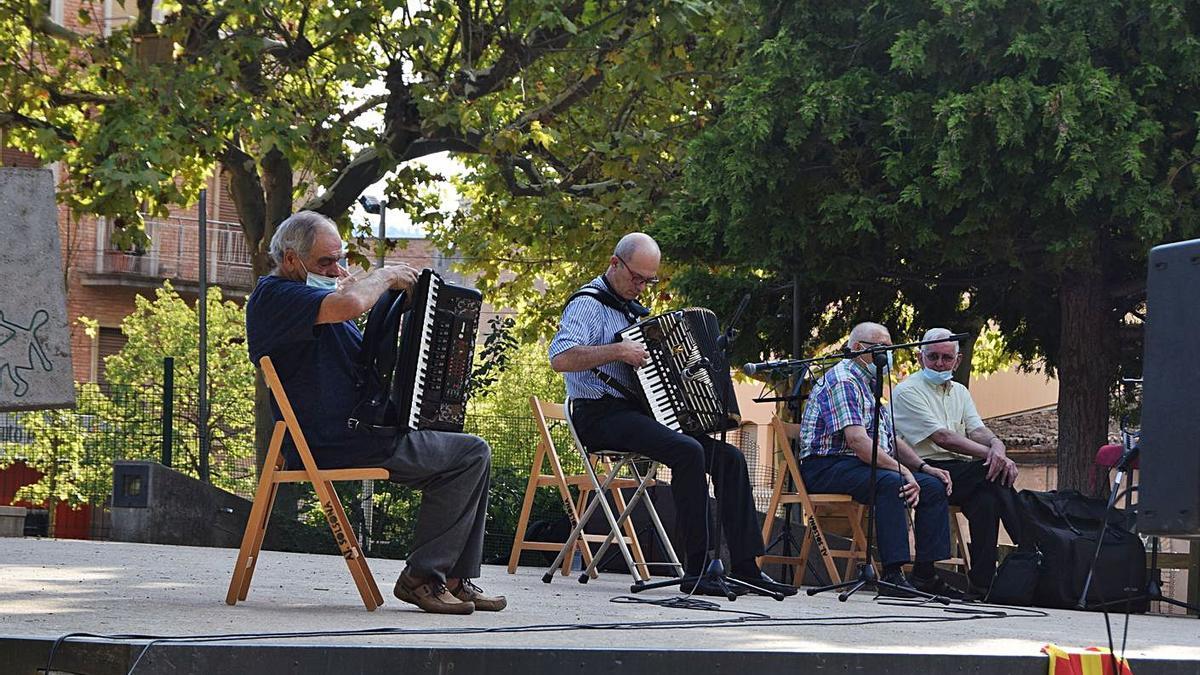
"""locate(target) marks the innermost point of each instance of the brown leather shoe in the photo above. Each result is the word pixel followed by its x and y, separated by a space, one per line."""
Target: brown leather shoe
pixel 430 595
pixel 467 591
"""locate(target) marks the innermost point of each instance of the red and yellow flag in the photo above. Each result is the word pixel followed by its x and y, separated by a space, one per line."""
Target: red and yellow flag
pixel 1084 661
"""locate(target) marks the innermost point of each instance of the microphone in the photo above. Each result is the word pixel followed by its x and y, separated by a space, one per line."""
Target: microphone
pixel 752 368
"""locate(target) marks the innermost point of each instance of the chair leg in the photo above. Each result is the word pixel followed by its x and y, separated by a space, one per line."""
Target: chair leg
pixel 802 560
pixel 582 543
pixel 576 534
pixel 859 540
pixel 635 546
pixel 614 526
pixel 768 527
pixel 256 523
pixel 339 525
pixel 661 531
pixel 815 534
pixel 535 472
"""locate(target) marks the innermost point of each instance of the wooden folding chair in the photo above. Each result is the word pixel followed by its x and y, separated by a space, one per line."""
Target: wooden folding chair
pixel 546 451
pixel 818 512
pixel 322 482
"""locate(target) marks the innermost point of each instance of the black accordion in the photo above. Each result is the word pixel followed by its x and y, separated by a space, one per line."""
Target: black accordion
pixel 686 384
pixel 417 378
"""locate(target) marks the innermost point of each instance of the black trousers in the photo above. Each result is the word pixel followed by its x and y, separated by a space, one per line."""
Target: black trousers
pixel 618 424
pixel 985 504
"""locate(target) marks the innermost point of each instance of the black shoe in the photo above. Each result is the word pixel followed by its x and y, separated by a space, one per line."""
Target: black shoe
pixel 898 586
pixel 766 583
pixel 935 585
pixel 706 586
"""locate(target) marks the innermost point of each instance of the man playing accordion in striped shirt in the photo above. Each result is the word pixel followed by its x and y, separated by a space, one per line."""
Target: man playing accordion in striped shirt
pixel 606 418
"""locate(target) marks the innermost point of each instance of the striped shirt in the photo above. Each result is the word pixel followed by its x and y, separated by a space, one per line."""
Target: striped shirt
pixel 587 322
pixel 841 398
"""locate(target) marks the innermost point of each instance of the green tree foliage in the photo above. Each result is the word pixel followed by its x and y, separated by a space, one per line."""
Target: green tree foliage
pixel 311 102
pixel 1021 154
pixel 167 326
pixel 569 114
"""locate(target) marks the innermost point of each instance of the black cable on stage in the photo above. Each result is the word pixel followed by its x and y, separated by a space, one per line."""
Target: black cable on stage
pixel 970 611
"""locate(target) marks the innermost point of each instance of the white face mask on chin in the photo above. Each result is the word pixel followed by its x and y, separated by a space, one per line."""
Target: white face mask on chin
pixel 937 376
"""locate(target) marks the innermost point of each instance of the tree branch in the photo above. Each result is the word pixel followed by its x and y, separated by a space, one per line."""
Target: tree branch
pixel 245 186
pixel 15 119
pixel 516 54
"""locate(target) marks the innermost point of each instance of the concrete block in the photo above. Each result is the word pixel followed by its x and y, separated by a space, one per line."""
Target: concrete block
pixel 12 521
pixel 35 345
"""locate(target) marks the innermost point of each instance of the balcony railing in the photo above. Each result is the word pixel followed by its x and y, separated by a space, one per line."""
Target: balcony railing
pixel 174 253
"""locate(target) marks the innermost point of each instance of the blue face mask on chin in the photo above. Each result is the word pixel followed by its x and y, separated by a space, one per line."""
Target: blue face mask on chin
pixel 937 376
pixel 320 280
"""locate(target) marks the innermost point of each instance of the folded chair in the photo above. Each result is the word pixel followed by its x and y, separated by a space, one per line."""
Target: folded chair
pixel 615 464
pixel 544 413
pixel 821 514
pixel 273 474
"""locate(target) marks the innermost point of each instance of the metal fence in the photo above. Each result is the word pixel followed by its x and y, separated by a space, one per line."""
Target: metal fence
pixel 77 447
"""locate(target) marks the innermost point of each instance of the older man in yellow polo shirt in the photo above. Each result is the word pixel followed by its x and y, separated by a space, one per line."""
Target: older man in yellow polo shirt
pixel 937 417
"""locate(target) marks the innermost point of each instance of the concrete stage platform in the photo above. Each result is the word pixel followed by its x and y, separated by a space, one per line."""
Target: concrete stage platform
pixel 49 588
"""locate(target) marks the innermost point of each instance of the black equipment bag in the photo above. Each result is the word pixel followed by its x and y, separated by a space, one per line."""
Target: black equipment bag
pixel 375 412
pixel 1016 579
pixel 1063 526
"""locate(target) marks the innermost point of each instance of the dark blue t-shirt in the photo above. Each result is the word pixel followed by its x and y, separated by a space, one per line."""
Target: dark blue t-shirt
pixel 315 364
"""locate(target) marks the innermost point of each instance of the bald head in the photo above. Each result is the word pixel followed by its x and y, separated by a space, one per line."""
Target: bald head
pixel 868 331
pixel 636 245
pixel 633 265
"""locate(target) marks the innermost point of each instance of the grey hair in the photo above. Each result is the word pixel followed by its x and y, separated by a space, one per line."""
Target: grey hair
pixel 633 243
pixel 863 331
pixel 297 233
pixel 938 334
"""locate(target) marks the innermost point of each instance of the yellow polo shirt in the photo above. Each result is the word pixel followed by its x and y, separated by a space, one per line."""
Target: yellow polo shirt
pixel 921 407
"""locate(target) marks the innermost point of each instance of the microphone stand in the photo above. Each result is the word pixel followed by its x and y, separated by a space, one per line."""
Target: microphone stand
pixel 714 571
pixel 867 576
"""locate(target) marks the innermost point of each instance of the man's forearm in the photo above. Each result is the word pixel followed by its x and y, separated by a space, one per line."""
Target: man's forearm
pixel 355 296
pixel 907 456
pixel 985 437
pixel 862 450
pixel 584 357
pixel 955 442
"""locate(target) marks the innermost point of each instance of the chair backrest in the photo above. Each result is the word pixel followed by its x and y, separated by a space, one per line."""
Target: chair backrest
pixel 542 412
pixel 289 415
pixel 785 433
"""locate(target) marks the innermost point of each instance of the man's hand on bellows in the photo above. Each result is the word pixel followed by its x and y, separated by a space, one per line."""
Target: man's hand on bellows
pixel 632 353
pixel 403 276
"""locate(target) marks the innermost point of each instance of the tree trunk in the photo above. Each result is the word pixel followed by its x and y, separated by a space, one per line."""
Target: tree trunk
pixel 1086 367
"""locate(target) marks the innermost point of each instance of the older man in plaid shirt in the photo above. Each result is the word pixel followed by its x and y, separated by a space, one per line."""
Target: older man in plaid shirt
pixel 835 451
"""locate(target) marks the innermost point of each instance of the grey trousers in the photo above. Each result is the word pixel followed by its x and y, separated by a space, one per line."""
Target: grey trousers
pixel 453 472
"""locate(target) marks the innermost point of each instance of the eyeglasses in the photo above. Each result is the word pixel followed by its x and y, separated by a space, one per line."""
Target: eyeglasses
pixel 637 278
pixel 933 357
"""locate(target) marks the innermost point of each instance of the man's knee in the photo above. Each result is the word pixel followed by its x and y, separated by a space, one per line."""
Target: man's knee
pixel 728 456
pixel 476 450
pixel 686 454
pixel 888 482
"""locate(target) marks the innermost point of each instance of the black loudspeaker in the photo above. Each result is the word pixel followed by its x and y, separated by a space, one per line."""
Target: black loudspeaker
pixel 1169 494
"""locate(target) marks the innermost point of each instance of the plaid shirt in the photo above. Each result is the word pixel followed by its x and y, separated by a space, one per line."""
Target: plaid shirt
pixel 841 398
